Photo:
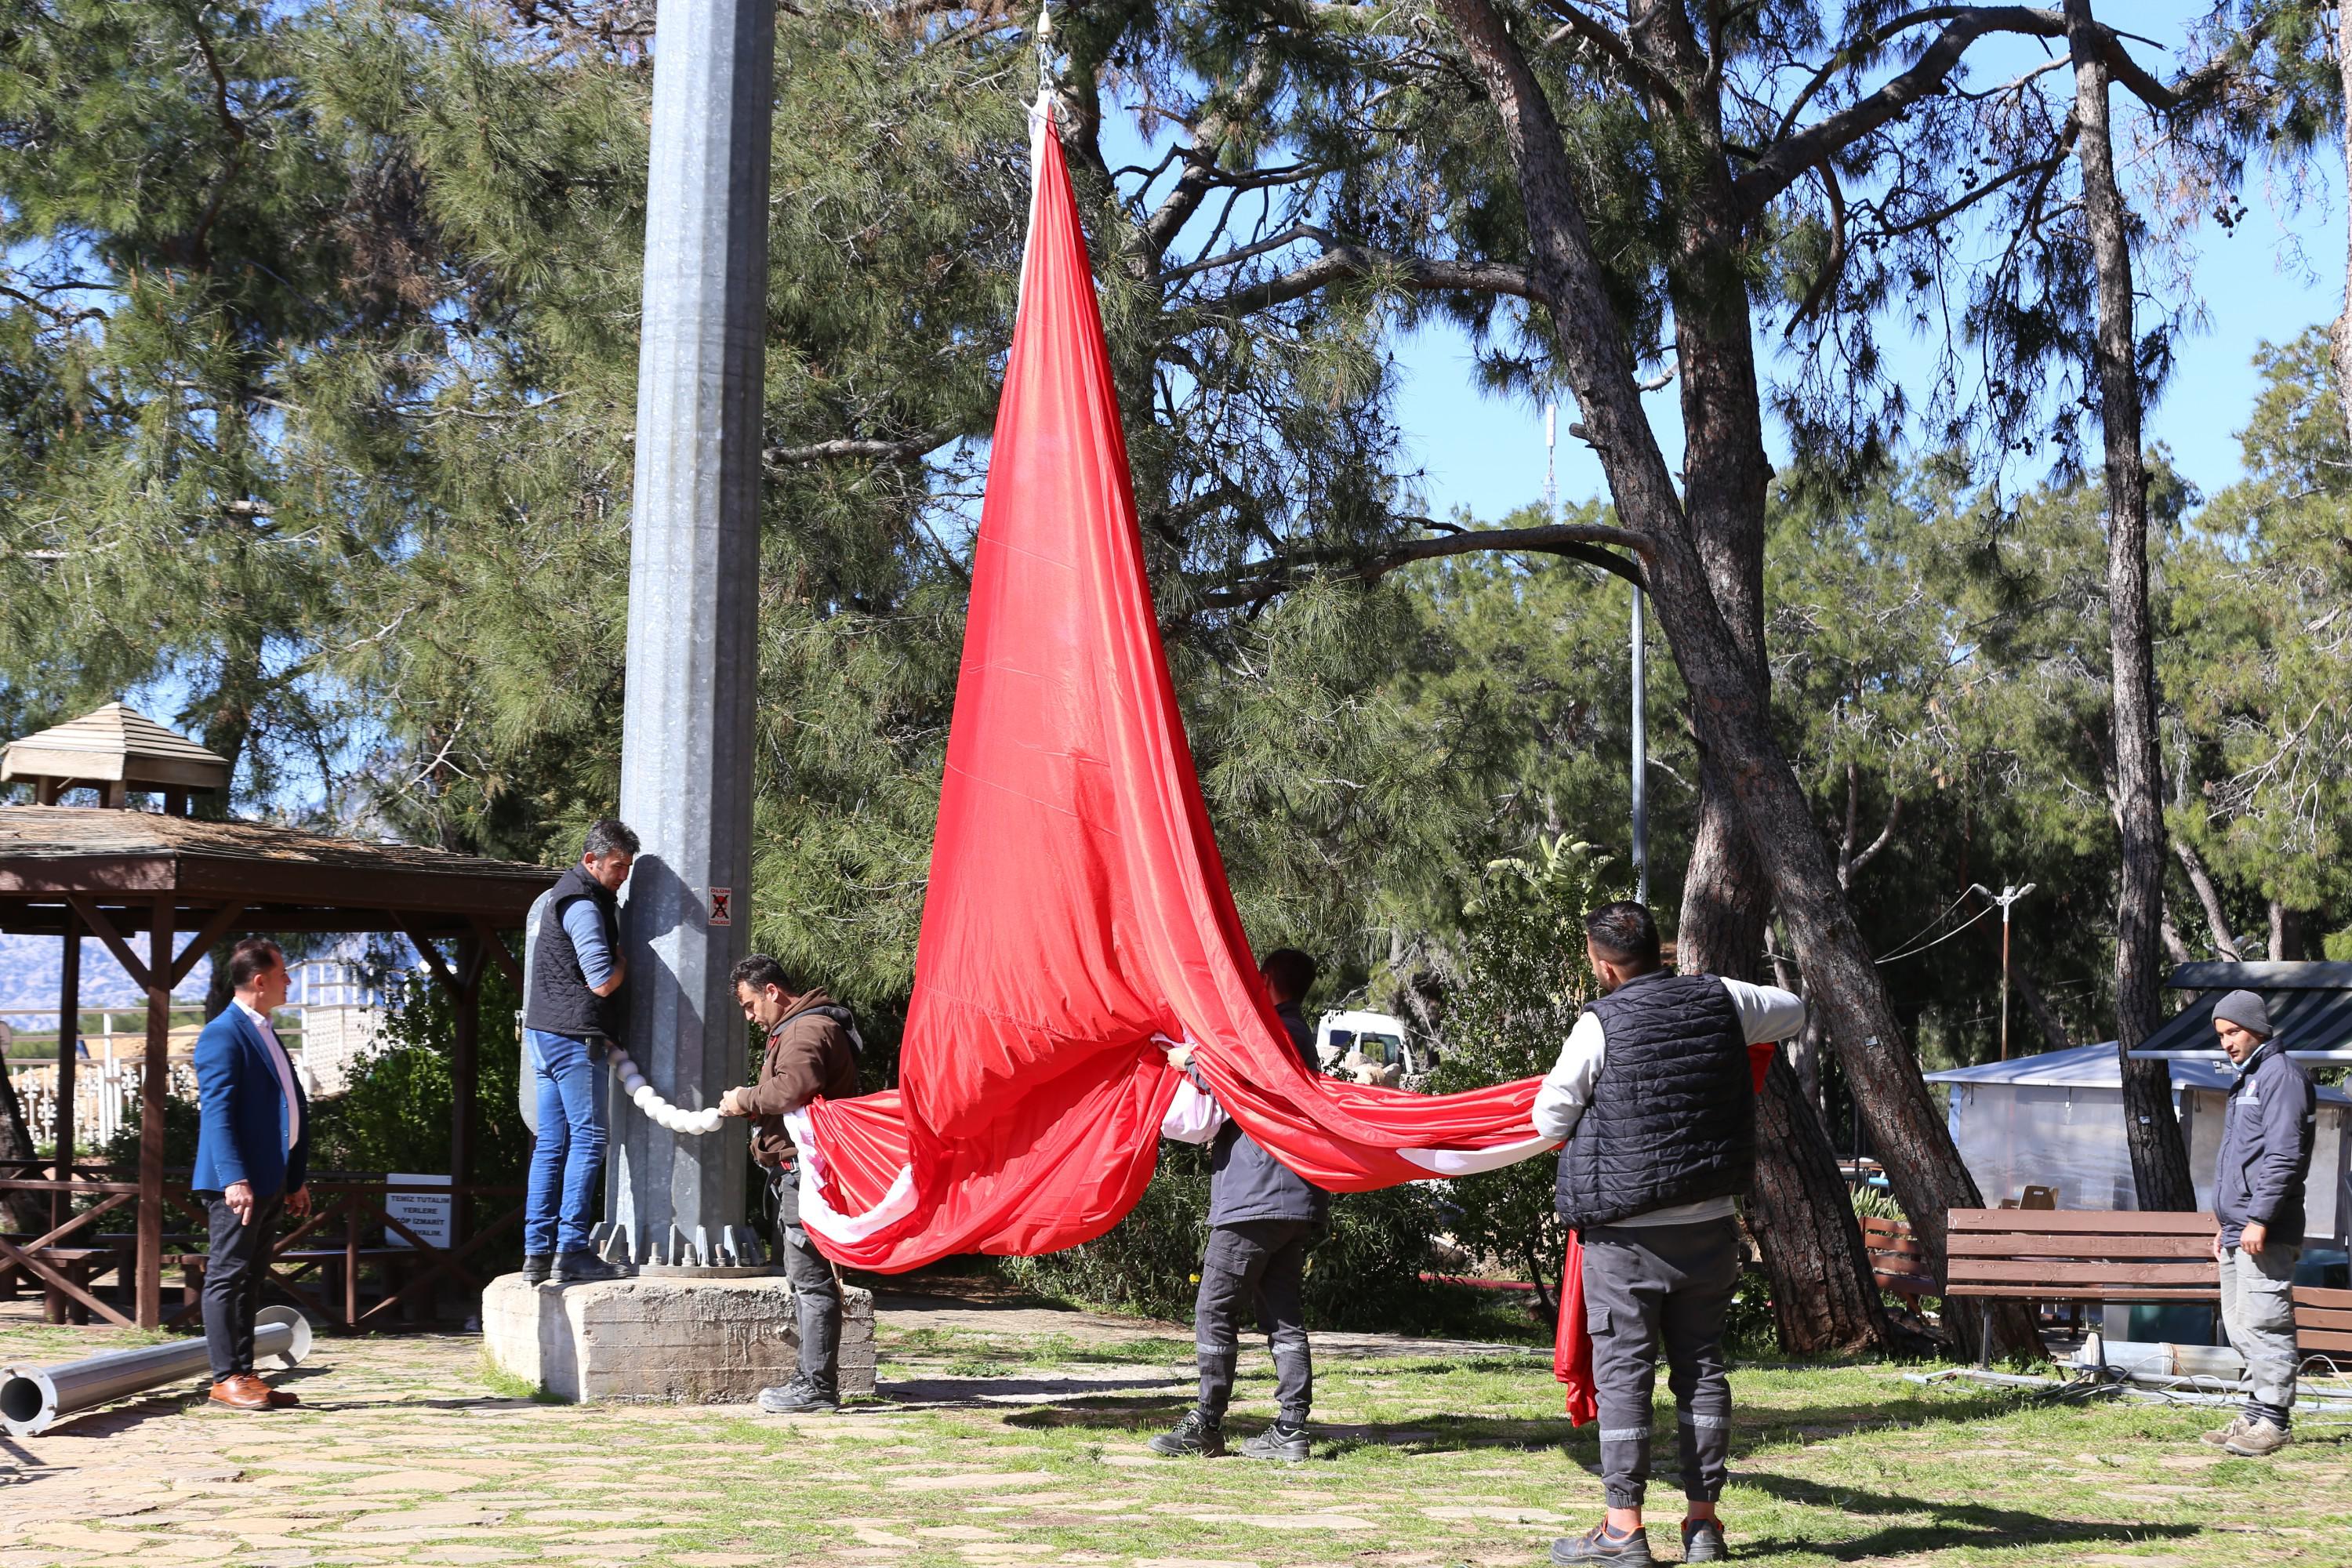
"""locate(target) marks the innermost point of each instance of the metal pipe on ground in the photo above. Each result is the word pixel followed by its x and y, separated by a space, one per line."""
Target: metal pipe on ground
pixel 35 1398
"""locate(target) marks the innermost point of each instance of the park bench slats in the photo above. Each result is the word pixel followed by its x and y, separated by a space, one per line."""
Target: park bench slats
pixel 2082 1244
pixel 1897 1262
pixel 2059 1273
pixel 2323 1298
pixel 2043 1221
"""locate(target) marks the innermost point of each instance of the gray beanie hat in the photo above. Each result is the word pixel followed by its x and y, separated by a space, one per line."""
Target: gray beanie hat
pixel 2247 1010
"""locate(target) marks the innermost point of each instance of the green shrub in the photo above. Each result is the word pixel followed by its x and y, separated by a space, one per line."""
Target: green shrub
pixel 1524 980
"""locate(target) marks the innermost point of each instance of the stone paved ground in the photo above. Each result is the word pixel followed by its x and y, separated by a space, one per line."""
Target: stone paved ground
pixel 1014 1437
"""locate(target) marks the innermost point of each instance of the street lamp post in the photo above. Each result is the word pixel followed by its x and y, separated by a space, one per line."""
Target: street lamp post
pixel 2005 898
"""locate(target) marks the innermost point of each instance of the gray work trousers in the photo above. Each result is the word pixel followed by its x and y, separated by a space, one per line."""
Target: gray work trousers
pixel 816 1292
pixel 2258 1311
pixel 1641 1282
pixel 1260 1265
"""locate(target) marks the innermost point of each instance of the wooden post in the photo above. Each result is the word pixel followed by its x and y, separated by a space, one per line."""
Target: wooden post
pixel 465 1081
pixel 68 1035
pixel 151 1119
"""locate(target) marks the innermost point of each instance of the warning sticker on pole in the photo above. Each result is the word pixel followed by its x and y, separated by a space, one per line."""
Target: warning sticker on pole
pixel 722 907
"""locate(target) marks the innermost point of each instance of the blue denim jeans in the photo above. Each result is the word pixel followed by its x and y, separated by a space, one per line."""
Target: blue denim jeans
pixel 570 1149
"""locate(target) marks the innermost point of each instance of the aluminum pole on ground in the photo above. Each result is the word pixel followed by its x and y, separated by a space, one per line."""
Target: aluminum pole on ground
pixel 687 742
pixel 34 1398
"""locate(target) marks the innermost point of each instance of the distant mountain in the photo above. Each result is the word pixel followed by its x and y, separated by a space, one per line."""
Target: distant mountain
pixel 32 969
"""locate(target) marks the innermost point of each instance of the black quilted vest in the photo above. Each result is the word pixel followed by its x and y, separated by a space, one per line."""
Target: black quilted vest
pixel 1672 1117
pixel 561 1002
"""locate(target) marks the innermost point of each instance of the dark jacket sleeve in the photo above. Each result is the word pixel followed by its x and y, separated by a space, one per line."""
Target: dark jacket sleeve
pixel 795 1072
pixel 2276 1173
pixel 218 1051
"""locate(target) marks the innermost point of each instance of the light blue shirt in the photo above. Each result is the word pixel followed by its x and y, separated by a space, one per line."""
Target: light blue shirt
pixel 585 927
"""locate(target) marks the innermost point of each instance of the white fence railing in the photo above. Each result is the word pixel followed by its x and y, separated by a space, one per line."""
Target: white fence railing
pixel 106 1095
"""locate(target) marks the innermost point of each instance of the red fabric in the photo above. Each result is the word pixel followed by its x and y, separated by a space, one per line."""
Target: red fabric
pixel 1077 906
pixel 1571 1346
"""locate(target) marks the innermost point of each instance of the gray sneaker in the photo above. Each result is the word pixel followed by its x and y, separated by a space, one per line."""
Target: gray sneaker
pixel 1703 1541
pixel 2260 1440
pixel 1598 1545
pixel 1194 1437
pixel 799 1397
pixel 2219 1436
pixel 1281 1441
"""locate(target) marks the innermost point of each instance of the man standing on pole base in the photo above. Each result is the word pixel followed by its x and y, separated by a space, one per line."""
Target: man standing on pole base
pixel 2258 1190
pixel 577 970
pixel 1655 1104
pixel 809 1053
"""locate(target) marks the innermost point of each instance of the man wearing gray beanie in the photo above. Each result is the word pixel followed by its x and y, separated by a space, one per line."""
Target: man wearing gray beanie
pixel 2258 1184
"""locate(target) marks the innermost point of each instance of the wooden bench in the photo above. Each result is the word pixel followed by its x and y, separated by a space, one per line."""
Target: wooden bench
pixel 2108 1255
pixel 1897 1262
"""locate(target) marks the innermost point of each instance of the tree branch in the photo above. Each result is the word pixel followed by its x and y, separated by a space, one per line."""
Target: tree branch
pixel 900 451
pixel 1344 260
pixel 1261 581
pixel 1592 31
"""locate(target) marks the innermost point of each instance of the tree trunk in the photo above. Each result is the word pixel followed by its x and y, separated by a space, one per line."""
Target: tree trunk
pixel 2159 1160
pixel 2340 332
pixel 2208 899
pixel 1590 345
pixel 1824 1301
pixel 2037 1005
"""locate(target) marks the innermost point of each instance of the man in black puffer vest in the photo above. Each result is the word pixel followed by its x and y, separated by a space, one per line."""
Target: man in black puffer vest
pixel 1654 1099
pixel 573 1006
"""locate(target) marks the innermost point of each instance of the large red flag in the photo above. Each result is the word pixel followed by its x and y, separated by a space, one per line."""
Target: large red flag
pixel 1077 918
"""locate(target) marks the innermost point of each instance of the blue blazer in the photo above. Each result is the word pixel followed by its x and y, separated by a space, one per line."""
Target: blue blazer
pixel 243 1133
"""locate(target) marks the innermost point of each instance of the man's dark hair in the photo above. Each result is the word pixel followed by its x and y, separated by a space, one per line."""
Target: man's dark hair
pixel 759 972
pixel 610 833
pixel 252 958
pixel 1288 971
pixel 1624 932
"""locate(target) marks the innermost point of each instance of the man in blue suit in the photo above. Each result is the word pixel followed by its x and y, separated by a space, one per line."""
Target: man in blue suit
pixel 252 1155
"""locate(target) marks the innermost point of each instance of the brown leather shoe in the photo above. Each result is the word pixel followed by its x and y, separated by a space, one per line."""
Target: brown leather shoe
pixel 283 1399
pixel 243 1391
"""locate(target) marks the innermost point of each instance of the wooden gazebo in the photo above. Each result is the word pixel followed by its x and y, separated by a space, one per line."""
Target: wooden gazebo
pixel 72 872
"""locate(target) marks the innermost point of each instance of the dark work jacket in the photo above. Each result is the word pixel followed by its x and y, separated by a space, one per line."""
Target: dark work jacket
pixel 1246 1182
pixel 1672 1115
pixel 2267 1124
pixel 561 1002
pixel 810 1055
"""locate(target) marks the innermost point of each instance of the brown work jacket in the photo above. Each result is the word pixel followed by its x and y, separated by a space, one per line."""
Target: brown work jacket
pixel 808 1055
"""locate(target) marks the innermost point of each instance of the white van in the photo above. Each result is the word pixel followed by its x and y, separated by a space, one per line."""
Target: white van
pixel 1371 1047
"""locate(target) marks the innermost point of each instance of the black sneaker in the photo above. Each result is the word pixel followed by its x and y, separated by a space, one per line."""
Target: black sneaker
pixel 1601 1545
pixel 535 1266
pixel 1703 1541
pixel 1282 1441
pixel 799 1397
pixel 1195 1435
pixel 584 1268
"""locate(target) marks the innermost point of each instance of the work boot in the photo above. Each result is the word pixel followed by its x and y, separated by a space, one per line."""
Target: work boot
pixel 584 1268
pixel 802 1397
pixel 1602 1545
pixel 2260 1440
pixel 2219 1436
pixel 1703 1541
pixel 535 1267
pixel 1195 1435
pixel 1285 1441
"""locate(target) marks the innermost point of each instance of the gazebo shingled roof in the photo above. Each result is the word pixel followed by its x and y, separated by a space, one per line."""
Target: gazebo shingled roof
pixel 67 870
pixel 114 749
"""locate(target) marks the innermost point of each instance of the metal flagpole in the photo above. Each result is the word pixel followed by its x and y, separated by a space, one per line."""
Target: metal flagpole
pixel 1641 759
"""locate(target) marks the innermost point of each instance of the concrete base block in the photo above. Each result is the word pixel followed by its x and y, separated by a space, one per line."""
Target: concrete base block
pixel 683 1341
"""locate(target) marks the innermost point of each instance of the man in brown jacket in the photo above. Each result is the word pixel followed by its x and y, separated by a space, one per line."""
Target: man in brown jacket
pixel 811 1053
